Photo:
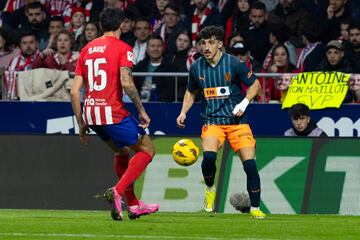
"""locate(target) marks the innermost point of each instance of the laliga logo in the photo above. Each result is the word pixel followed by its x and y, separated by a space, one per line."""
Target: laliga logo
pixel 345 127
pixel 89 101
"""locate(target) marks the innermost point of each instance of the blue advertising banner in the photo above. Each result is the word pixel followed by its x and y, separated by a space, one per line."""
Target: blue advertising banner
pixel 265 119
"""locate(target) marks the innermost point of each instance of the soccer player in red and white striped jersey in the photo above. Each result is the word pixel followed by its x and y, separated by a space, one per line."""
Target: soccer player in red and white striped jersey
pixel 105 69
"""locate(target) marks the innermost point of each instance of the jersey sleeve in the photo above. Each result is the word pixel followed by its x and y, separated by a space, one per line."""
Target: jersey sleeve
pixel 192 80
pixel 245 74
pixel 79 65
pixel 126 57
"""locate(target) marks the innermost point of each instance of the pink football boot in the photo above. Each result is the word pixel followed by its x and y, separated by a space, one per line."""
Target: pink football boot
pixel 142 209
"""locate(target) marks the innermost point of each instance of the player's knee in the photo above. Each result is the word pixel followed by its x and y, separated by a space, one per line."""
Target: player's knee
pixel 208 165
pixel 250 166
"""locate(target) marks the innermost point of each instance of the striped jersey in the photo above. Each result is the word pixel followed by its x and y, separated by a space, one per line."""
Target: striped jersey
pixel 220 88
pixel 99 64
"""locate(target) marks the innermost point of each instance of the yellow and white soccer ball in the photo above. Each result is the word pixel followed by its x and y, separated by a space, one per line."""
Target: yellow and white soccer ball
pixel 185 152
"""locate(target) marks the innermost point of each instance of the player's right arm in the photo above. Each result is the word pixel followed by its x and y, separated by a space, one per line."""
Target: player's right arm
pixel 129 87
pixel 75 102
pixel 189 99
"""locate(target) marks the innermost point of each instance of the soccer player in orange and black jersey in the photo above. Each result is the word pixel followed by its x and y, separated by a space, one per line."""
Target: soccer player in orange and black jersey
pixel 218 77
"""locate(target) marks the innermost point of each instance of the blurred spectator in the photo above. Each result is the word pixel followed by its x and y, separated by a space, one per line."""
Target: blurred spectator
pixel 335 60
pixel 22 62
pixel 314 51
pixel 234 37
pixel 335 13
pixel 121 4
pixel 170 28
pixel 14 12
pixel 56 24
pixel 63 58
pixel 154 62
pixel 315 8
pixel 270 4
pixel 280 34
pixel 7 50
pixel 157 14
pixel 352 47
pixel 92 31
pixel 36 22
pixel 92 10
pixel 56 7
pixel 344 29
pixel 77 22
pixel 302 125
pixel 202 14
pixel 257 36
pixel 279 64
pixel 353 94
pixel 127 28
pixel 282 84
pixel 291 14
pixel 142 33
pixel 239 21
pixel 240 50
pixel 178 64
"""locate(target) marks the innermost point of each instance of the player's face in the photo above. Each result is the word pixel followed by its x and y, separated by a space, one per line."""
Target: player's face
pixel 35 16
pixel 63 43
pixel 281 58
pixel 171 18
pixel 301 123
pixel 210 47
pixel 28 45
pixel 182 42
pixel 91 32
pixel 283 82
pixel 55 27
pixel 334 56
pixel 354 38
pixel 155 49
pixel 243 5
pixel 142 30
pixel 78 19
pixel 354 82
pixel 257 17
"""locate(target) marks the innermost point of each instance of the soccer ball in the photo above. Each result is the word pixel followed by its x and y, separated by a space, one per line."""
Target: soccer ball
pixel 185 152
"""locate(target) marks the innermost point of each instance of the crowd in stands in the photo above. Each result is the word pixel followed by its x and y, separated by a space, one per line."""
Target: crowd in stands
pixel 269 36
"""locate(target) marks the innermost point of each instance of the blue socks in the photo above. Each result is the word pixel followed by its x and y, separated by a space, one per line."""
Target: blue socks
pixel 208 167
pixel 253 182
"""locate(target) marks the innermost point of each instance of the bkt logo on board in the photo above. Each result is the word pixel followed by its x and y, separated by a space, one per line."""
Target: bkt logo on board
pixel 344 127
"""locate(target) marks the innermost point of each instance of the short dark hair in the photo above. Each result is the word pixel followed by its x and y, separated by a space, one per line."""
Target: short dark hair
pixel 57 19
pixel 298 110
pixel 173 7
pixel 311 31
pixel 156 37
pixel 35 5
pixel 25 33
pixel 211 31
pixel 258 5
pixel 354 25
pixel 110 19
pixel 281 31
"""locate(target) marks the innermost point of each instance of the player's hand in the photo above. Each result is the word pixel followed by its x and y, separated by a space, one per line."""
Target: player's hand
pixel 83 130
pixel 241 107
pixel 144 120
pixel 180 120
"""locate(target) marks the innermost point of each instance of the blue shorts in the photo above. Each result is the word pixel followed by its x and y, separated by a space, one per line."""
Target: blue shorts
pixel 125 133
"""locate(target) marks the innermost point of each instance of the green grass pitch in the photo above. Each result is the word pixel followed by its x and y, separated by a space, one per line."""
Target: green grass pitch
pixel 58 224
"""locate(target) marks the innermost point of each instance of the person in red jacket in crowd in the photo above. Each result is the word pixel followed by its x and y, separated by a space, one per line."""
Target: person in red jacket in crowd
pixel 279 64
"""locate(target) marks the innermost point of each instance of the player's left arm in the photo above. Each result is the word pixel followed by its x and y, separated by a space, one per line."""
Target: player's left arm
pixel 253 90
pixel 75 103
pixel 129 87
